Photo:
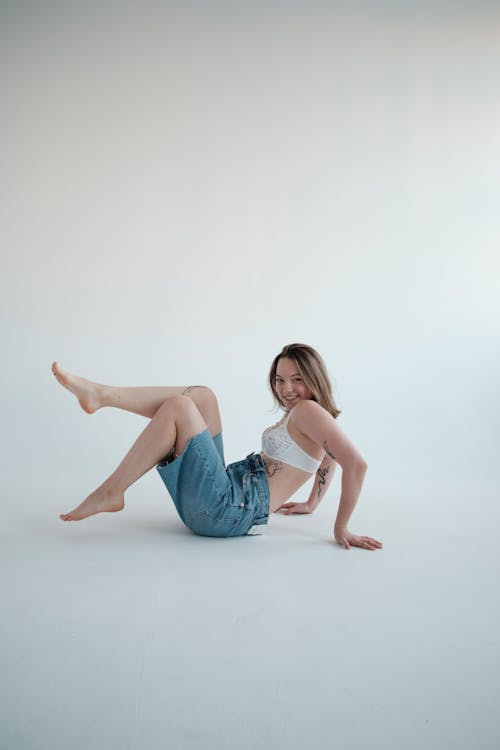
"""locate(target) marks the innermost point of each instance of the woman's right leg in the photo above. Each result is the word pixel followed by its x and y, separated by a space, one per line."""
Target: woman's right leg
pixel 140 400
pixel 173 425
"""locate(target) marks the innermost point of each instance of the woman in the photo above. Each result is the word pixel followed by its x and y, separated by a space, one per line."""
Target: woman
pixel 184 441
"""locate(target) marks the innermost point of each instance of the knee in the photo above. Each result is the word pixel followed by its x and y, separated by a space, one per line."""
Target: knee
pixel 208 397
pixel 177 404
pixel 202 395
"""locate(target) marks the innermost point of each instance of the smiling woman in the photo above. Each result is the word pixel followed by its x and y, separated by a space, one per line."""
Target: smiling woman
pixel 184 441
pixel 307 440
pixel 301 364
pixel 289 383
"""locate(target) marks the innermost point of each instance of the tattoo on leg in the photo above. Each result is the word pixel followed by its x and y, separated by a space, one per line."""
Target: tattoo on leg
pixel 271 467
pixel 322 479
pixel 327 450
pixel 190 388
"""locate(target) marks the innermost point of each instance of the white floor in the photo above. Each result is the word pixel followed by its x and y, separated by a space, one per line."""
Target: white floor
pixel 127 631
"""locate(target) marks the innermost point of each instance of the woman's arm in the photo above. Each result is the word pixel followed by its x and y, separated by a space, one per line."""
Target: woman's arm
pixel 320 426
pixel 322 481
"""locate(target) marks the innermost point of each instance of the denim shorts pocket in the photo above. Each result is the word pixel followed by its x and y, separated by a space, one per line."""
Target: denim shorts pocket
pixel 238 503
pixel 248 490
pixel 232 511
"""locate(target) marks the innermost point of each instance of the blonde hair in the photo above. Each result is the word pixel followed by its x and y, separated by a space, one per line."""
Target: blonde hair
pixel 313 372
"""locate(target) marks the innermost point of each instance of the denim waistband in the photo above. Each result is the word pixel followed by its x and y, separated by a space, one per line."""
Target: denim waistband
pixel 255 462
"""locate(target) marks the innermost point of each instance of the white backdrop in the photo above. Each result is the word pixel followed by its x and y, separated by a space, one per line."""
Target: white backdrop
pixel 186 187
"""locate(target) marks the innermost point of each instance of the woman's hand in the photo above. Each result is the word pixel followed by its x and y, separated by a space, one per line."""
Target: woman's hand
pixel 348 540
pixel 289 508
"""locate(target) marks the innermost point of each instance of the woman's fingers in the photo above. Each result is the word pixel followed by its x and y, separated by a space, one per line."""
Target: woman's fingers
pixel 368 543
pixel 365 542
pixel 374 542
pixel 289 508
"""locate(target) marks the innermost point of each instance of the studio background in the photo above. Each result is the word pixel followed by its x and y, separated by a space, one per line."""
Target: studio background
pixel 187 187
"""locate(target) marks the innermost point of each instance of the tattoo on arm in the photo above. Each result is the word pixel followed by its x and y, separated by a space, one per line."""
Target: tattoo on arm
pixel 271 467
pixel 322 479
pixel 327 450
pixel 190 388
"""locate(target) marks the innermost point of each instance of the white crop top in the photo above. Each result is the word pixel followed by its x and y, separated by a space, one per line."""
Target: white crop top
pixel 277 443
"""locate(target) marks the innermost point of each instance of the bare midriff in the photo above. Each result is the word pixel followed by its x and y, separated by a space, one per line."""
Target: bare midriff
pixel 283 480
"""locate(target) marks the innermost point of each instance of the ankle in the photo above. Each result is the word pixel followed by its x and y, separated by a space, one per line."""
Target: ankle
pixel 104 395
pixel 108 490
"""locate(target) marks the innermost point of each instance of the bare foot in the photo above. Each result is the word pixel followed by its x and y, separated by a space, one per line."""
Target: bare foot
pixel 86 391
pixel 97 502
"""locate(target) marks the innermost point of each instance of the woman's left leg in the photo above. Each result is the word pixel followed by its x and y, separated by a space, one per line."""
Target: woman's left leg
pixel 143 400
pixel 174 423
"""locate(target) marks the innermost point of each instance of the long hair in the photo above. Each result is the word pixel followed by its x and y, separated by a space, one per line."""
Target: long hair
pixel 313 372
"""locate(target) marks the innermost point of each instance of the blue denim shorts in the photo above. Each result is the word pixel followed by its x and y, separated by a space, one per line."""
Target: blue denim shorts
pixel 213 500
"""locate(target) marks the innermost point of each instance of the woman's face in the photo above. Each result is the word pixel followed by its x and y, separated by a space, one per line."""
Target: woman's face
pixel 289 384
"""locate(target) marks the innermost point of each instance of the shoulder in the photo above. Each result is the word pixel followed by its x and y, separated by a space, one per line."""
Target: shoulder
pixel 319 425
pixel 309 411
